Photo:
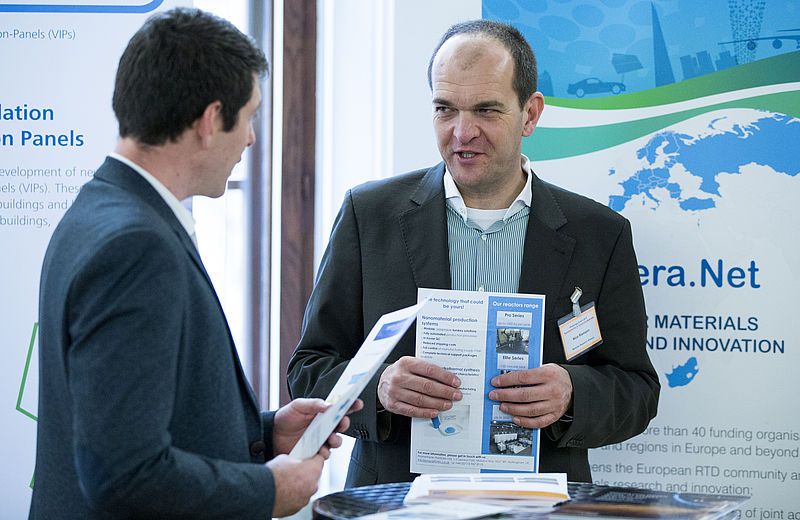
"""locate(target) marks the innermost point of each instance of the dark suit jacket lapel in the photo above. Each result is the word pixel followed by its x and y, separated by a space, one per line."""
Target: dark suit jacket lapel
pixel 424 231
pixel 547 252
pixel 122 175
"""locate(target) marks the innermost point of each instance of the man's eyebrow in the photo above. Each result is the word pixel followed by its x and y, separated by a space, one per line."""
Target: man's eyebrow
pixel 488 104
pixel 477 106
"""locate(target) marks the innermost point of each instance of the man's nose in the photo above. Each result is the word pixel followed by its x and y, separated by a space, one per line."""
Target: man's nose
pixel 252 137
pixel 466 128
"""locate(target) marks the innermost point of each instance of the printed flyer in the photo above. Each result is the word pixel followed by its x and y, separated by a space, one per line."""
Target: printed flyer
pixel 477 336
pixel 383 337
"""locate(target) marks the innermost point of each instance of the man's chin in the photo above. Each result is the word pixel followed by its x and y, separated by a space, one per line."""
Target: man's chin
pixel 215 192
pixel 221 191
pixel 465 175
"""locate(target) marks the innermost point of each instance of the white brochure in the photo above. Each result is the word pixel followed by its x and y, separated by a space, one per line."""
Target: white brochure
pixel 379 343
pixel 477 336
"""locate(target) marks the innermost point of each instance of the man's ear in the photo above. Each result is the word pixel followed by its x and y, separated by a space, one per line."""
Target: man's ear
pixel 533 110
pixel 209 123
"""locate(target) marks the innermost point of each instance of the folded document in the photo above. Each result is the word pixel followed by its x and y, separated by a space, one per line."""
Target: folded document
pixel 380 341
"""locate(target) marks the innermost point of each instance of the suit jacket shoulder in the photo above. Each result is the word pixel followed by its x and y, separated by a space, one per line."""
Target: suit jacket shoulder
pixel 400 192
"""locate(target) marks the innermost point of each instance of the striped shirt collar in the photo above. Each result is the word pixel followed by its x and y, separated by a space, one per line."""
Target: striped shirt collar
pixel 183 215
pixel 456 201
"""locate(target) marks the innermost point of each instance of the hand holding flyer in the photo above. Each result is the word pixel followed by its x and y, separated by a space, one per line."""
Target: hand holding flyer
pixel 379 343
pixel 477 336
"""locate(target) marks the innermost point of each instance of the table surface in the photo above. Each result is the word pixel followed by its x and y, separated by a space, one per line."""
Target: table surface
pixel 355 502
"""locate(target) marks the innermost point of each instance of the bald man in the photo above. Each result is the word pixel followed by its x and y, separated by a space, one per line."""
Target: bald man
pixel 481 221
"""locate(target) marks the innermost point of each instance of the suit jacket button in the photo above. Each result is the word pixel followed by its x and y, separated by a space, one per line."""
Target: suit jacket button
pixel 257 448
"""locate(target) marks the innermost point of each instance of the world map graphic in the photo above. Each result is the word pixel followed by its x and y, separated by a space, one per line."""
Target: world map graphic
pixel 721 146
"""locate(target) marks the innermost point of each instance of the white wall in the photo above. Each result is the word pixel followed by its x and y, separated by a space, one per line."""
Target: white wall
pixel 419 25
pixel 373 101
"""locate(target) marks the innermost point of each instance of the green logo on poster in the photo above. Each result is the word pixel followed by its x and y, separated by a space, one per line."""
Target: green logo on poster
pixel 20 409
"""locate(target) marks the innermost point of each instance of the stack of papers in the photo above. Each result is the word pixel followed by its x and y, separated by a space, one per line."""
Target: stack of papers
pixel 512 489
pixel 454 510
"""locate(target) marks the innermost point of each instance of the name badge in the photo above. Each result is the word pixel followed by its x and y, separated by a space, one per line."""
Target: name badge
pixel 580 332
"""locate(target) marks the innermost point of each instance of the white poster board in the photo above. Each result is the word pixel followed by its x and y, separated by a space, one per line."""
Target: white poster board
pixel 685 119
pixel 58 64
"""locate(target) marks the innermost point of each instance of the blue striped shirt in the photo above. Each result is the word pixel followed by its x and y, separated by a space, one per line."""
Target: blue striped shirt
pixel 486 260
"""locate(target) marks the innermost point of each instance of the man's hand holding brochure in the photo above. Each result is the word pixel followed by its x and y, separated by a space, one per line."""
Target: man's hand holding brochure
pixel 379 343
pixel 477 336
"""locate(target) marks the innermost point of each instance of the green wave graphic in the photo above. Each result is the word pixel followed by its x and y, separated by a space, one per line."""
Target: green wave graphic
pixel 784 68
pixel 557 143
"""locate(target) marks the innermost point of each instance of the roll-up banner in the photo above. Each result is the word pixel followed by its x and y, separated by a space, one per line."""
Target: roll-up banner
pixel 58 64
pixel 683 117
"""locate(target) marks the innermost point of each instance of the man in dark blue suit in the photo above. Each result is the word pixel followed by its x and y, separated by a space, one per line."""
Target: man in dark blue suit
pixel 144 410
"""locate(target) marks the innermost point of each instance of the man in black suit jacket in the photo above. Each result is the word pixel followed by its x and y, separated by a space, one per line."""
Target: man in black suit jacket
pixel 144 410
pixel 392 237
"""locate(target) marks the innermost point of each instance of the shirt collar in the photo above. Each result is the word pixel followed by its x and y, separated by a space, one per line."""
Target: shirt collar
pixel 182 213
pixel 456 201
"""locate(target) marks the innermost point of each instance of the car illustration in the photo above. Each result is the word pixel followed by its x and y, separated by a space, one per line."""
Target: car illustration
pixel 594 86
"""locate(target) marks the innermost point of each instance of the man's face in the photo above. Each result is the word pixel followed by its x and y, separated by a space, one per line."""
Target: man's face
pixel 477 119
pixel 229 146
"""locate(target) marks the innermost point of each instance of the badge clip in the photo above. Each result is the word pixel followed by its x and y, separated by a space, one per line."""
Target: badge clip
pixel 575 298
pixel 579 329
